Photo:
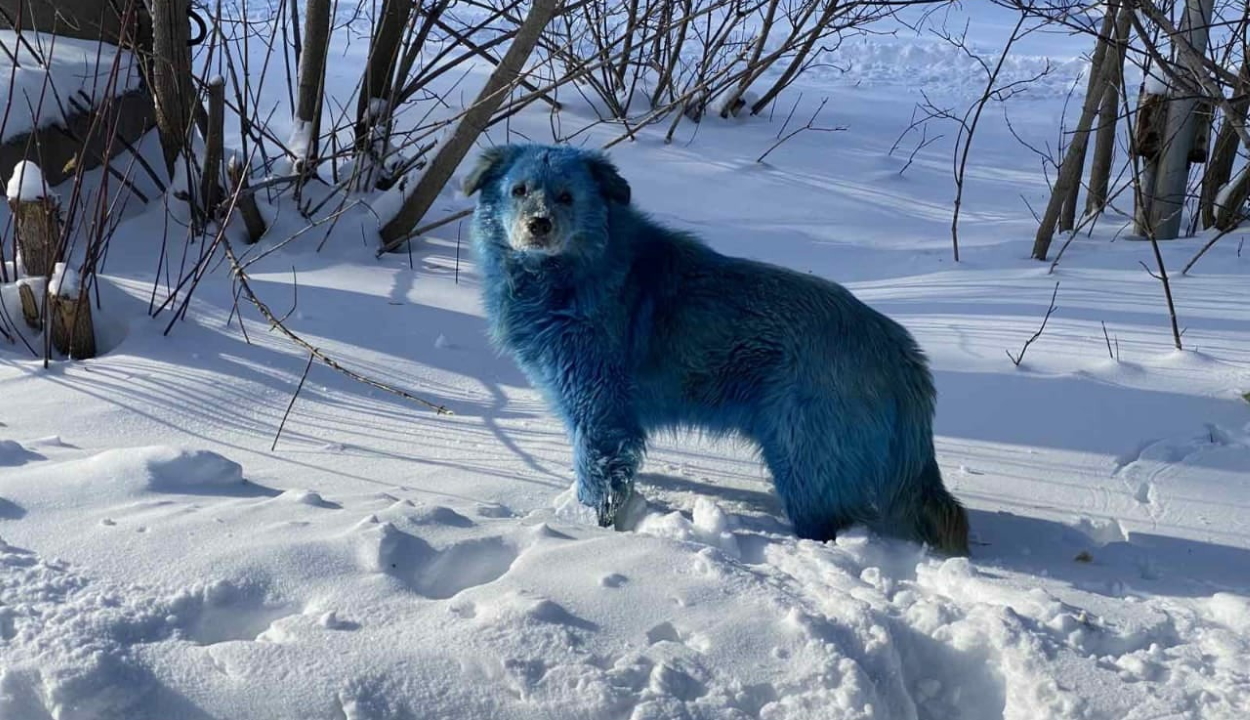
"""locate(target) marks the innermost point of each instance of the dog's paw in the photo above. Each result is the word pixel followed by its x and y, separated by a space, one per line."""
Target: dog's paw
pixel 619 504
pixel 631 513
pixel 624 514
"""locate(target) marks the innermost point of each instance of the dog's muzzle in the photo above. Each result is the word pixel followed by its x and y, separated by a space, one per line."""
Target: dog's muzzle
pixel 539 227
pixel 536 232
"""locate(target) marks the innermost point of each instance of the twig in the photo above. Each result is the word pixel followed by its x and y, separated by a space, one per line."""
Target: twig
pixel 925 142
pixel 241 277
pixel 291 404
pixel 458 229
pixel 809 126
pixel 1207 247
pixel 1015 360
pixel 425 229
pixel 1167 288
pixel 1108 339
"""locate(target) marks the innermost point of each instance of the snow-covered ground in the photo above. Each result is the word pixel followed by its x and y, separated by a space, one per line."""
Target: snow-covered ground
pixel 53 74
pixel 158 560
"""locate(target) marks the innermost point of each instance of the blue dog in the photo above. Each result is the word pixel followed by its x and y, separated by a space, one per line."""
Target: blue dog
pixel 631 328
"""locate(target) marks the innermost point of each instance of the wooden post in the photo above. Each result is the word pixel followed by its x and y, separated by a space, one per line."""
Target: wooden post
pixel 30 305
pixel 312 80
pixel 1168 192
pixel 36 216
pixel 73 334
pixel 210 179
pixel 474 121
pixel 172 91
pixel 69 314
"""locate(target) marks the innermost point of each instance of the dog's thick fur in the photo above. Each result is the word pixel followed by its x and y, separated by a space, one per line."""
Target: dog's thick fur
pixel 632 328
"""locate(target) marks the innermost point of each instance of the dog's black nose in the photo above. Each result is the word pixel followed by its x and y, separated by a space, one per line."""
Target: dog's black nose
pixel 539 226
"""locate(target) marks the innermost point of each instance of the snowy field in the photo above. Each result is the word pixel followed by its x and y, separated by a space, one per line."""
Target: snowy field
pixel 158 560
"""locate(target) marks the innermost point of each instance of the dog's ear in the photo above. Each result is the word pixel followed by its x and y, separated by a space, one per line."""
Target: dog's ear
pixel 492 162
pixel 611 184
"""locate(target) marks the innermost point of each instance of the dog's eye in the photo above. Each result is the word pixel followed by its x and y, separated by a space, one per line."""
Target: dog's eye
pixel 518 191
pixel 565 198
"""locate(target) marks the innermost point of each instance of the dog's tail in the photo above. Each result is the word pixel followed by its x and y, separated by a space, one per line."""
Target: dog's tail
pixel 940 520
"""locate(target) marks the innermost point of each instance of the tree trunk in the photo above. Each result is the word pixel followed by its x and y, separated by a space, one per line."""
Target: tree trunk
pixel 373 110
pixel 1069 174
pixel 312 80
pixel 1204 117
pixel 1230 202
pixel 665 81
pixel 475 120
pixel 627 48
pixel 1224 154
pixel 172 92
pixel 800 57
pixel 493 59
pixel 1095 85
pixel 1108 114
pixel 1168 194
pixel 733 102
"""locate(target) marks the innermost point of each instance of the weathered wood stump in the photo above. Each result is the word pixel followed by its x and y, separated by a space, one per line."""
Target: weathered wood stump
pixel 69 314
pixel 30 305
pixel 36 217
pixel 210 179
pixel 73 334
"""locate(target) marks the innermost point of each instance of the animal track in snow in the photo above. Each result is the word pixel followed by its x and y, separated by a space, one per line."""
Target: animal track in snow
pixel 306 497
pixel 223 612
pixel 662 633
pixel 435 573
pixel 13 454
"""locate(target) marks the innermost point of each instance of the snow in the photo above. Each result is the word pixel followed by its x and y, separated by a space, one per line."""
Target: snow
pixel 1225 194
pixel 300 140
pixel 45 84
pixel 158 559
pixel 64 281
pixel 26 183
pixel 378 108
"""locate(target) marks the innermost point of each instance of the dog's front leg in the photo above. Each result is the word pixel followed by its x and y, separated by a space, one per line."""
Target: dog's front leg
pixel 606 453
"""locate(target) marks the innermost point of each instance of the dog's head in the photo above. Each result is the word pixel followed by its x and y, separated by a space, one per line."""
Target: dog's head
pixel 547 200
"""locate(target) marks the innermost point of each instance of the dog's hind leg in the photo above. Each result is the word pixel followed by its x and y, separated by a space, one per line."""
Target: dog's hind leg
pixel 932 514
pixel 807 482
